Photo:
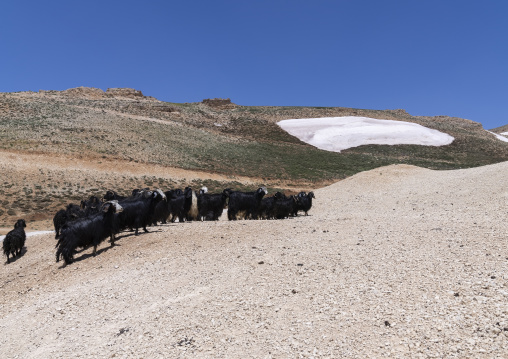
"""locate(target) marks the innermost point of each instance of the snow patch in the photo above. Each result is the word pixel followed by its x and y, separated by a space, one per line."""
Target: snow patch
pixel 340 133
pixel 500 137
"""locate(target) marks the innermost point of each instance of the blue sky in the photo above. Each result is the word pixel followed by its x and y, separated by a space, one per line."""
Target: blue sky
pixel 427 57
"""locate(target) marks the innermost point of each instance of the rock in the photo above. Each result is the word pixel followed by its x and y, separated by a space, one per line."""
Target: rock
pixel 125 92
pixel 84 92
pixel 219 102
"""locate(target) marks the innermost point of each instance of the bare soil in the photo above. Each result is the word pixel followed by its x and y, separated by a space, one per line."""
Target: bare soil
pixel 397 262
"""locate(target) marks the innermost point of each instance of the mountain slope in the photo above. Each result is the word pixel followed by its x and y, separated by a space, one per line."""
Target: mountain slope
pixel 122 126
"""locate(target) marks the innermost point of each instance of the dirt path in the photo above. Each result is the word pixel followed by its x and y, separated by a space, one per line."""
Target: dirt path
pixel 396 262
pixel 33 161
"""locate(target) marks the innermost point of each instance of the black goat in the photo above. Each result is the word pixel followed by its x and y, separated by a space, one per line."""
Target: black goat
pixel 173 206
pixel 245 204
pixel 283 207
pixel 266 207
pixel 161 211
pixel 14 241
pixel 59 221
pixel 137 191
pixel 88 231
pixel 176 202
pixel 211 206
pixel 304 202
pixel 138 211
pixel 72 212
pixel 91 206
pixel 69 214
pixel 112 195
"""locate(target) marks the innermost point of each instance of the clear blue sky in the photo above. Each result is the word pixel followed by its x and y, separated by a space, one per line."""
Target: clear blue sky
pixel 445 57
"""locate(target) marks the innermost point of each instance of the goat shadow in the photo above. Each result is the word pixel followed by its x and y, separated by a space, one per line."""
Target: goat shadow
pixel 99 251
pixel 87 255
pixel 117 238
pixel 151 229
pixel 12 260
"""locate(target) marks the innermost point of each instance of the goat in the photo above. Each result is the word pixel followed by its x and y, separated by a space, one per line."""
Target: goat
pixel 14 241
pixel 69 214
pixel 137 191
pixel 163 209
pixel 190 206
pixel 88 231
pixel 59 220
pixel 112 195
pixel 175 206
pixel 304 202
pixel 176 202
pixel 211 206
pixel 283 207
pixel 91 205
pixel 138 211
pixel 245 204
pixel 266 207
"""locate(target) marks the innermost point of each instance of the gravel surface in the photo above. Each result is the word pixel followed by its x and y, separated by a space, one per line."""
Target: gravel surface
pixel 398 262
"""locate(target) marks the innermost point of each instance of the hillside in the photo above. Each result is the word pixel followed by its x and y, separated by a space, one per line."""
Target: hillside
pixel 500 129
pixel 396 262
pixel 227 145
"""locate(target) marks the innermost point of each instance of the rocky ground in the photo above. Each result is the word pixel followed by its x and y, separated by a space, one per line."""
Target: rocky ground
pixel 397 262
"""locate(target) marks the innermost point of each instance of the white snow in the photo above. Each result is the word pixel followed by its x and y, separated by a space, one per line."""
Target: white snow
pixel 499 137
pixel 339 133
pixel 30 234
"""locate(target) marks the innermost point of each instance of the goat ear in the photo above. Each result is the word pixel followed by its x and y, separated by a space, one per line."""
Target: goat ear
pixel 106 206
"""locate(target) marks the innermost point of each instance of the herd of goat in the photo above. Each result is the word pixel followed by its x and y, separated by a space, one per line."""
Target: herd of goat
pixel 95 220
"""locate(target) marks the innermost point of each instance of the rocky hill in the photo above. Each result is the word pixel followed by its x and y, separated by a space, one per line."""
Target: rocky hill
pixel 96 135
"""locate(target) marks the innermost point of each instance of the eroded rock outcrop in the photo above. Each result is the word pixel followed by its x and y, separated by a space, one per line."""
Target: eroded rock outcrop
pixel 218 102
